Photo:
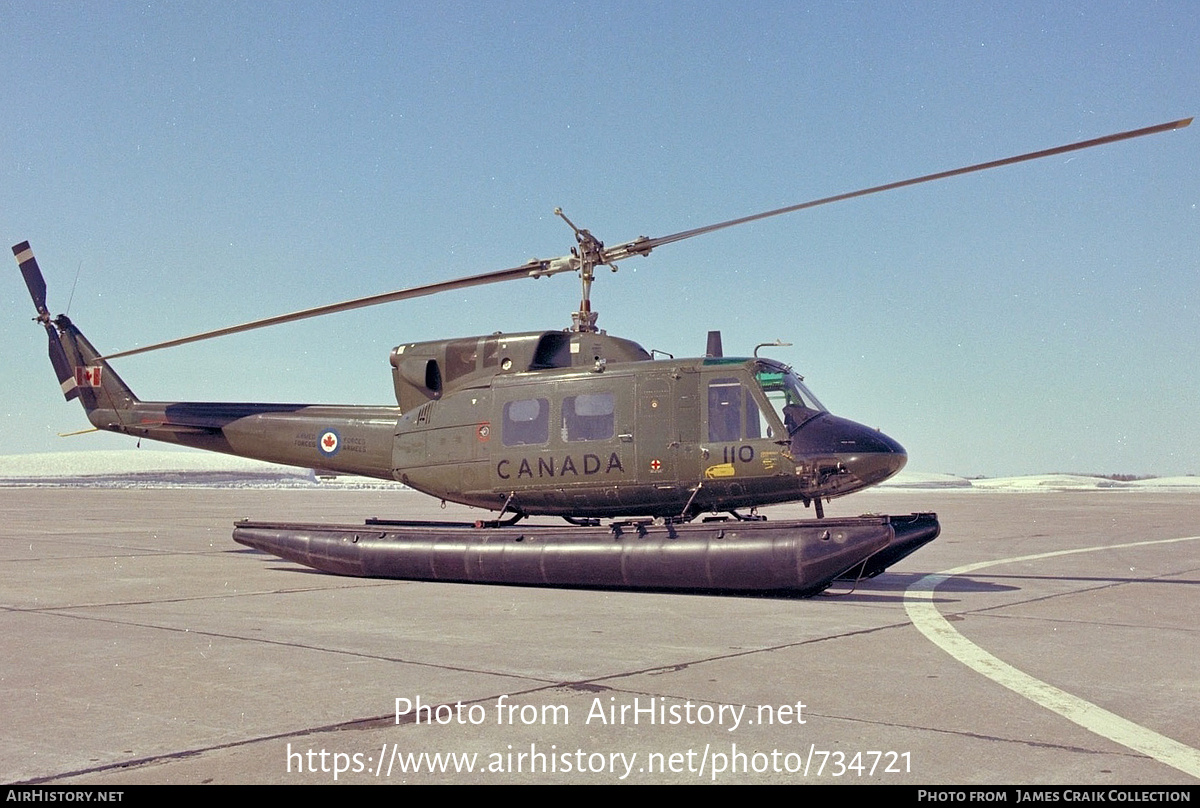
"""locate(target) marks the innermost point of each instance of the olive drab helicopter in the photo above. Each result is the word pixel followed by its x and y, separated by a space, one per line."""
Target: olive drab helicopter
pixel 572 423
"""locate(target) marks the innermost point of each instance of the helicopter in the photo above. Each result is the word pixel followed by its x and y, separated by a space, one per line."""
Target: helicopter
pixel 573 423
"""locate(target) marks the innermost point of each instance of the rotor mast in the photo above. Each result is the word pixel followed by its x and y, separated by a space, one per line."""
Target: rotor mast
pixel 588 253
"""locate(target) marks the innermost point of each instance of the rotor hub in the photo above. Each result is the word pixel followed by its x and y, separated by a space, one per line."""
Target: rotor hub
pixel 588 253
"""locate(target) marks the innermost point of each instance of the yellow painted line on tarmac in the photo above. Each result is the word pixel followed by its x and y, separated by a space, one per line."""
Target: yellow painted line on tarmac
pixel 918 602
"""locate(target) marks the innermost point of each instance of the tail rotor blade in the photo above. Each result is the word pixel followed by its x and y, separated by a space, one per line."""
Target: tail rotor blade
pixel 62 365
pixel 33 277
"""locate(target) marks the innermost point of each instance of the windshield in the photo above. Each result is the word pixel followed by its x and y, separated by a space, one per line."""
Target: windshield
pixel 792 401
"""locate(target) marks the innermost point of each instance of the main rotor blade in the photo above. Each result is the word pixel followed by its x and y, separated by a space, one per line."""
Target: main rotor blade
pixel 640 246
pixel 533 269
pixel 644 245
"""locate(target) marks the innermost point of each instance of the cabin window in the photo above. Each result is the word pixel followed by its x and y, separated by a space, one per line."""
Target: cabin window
pixel 588 417
pixel 526 422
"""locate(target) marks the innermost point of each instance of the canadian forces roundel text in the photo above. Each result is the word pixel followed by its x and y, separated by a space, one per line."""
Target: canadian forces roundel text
pixel 329 443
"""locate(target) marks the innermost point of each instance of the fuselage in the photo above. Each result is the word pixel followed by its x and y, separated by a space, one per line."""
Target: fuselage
pixel 578 425
pixel 662 438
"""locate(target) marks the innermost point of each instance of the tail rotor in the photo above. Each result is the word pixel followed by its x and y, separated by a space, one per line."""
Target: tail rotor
pixel 37 290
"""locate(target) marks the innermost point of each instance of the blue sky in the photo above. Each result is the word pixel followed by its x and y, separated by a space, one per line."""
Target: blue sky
pixel 201 164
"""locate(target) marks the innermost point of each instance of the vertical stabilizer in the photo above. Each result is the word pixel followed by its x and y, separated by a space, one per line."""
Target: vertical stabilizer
pixel 98 385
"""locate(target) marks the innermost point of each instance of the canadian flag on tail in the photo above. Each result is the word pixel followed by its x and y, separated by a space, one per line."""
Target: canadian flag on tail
pixel 87 376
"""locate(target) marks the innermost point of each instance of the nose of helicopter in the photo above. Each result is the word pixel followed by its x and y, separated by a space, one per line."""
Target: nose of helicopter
pixel 859 455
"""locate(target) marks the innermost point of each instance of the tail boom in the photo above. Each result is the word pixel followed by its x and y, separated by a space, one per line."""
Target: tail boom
pixel 349 439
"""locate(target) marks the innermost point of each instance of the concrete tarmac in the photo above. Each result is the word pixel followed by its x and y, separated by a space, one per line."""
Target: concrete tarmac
pixel 142 645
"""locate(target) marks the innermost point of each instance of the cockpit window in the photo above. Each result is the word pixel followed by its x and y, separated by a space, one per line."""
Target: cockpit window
pixel 794 403
pixel 724 410
pixel 733 413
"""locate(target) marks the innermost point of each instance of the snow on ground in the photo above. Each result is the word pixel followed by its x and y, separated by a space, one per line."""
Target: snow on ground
pixel 146 468
pixel 149 468
pixel 916 479
pixel 1038 483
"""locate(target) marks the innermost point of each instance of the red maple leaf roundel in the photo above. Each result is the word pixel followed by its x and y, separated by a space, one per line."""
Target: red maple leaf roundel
pixel 327 444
